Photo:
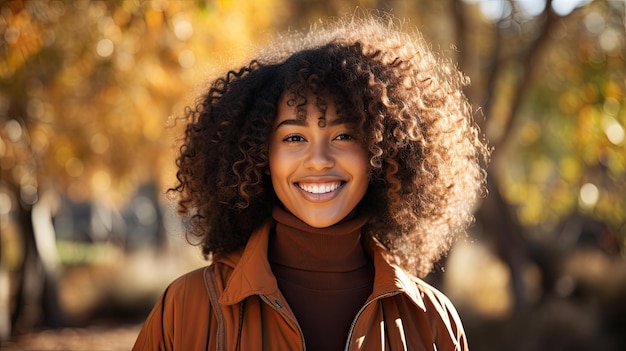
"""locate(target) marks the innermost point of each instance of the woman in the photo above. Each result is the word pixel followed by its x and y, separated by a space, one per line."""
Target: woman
pixel 323 179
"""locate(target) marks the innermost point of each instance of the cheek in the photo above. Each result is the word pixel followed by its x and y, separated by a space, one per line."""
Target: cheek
pixel 274 165
pixel 362 162
pixel 279 170
pixel 360 167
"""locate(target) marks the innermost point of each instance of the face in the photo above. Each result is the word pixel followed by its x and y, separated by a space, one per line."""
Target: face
pixel 319 169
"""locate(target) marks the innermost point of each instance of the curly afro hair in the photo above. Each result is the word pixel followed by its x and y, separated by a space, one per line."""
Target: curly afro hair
pixel 424 146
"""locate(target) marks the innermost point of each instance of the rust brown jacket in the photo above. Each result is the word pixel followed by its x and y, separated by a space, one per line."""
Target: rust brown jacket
pixel 235 304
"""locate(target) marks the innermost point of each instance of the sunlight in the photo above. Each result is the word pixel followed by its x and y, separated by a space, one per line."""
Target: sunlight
pixel 498 9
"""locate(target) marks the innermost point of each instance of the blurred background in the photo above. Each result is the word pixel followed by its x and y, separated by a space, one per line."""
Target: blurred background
pixel 89 93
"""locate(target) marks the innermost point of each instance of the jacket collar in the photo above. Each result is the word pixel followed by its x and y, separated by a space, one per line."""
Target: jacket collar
pixel 389 277
pixel 252 274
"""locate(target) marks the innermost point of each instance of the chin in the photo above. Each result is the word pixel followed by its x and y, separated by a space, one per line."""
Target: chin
pixel 325 221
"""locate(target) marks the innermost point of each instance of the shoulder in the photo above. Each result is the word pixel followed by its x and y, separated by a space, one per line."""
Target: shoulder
pixel 176 318
pixel 442 314
pixel 435 302
pixel 195 287
pixel 191 283
pixel 432 295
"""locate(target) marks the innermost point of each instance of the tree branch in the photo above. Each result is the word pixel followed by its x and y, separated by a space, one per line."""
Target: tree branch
pixel 529 61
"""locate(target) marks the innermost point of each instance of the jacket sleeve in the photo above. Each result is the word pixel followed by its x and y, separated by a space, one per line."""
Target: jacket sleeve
pixel 448 329
pixel 181 319
pixel 152 333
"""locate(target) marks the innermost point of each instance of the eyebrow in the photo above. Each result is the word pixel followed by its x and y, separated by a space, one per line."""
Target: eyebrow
pixel 303 122
pixel 292 122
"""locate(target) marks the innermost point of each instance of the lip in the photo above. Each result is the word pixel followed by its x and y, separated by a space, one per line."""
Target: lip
pixel 320 191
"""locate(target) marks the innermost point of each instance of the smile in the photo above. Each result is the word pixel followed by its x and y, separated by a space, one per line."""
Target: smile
pixel 320 188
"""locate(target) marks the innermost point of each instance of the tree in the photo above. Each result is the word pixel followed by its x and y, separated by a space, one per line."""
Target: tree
pixel 86 92
pixel 543 99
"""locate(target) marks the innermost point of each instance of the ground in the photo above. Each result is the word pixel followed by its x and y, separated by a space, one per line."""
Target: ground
pixel 93 338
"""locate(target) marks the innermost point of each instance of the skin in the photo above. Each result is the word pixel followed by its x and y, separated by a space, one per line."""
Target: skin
pixel 319 171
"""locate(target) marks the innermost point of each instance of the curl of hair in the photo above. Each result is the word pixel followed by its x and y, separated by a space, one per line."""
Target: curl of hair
pixel 424 146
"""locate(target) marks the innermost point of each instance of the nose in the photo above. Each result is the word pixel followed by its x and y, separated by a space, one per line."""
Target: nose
pixel 319 157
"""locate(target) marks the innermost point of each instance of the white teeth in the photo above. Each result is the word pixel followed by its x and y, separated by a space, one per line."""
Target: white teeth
pixel 320 188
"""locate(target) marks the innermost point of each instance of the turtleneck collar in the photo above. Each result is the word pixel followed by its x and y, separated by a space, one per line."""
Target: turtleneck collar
pixel 333 249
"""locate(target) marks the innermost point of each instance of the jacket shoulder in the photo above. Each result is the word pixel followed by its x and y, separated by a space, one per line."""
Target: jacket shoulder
pixel 444 319
pixel 189 283
pixel 181 317
pixel 430 293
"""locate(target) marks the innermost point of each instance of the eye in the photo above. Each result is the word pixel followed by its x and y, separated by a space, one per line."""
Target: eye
pixel 344 136
pixel 294 139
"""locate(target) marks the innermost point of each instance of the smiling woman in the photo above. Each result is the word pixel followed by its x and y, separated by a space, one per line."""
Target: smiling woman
pixel 322 179
pixel 319 171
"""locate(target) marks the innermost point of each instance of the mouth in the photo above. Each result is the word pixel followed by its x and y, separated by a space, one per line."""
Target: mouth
pixel 320 188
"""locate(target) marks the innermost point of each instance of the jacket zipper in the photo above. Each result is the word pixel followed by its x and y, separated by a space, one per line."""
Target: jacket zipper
pixel 294 322
pixel 377 298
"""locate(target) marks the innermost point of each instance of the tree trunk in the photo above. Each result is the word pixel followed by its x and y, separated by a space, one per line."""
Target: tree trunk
pixel 501 227
pixel 28 312
pixel 37 300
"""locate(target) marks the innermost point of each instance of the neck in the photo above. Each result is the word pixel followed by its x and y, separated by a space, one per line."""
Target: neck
pixel 332 249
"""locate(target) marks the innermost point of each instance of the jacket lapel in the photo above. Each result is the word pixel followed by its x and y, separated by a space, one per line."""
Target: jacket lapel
pixel 389 277
pixel 252 274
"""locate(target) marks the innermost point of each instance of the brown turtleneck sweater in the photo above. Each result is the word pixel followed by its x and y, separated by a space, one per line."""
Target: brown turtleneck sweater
pixel 324 275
